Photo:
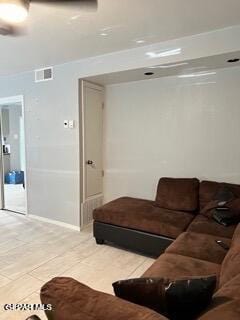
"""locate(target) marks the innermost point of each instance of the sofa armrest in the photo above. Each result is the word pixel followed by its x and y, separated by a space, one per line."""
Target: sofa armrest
pixel 72 300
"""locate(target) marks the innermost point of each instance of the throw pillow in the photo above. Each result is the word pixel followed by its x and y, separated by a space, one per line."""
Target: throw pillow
pixel 178 299
pixel 224 207
pixel 225 217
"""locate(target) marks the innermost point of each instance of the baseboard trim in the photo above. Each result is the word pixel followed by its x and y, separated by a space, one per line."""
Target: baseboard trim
pixel 58 223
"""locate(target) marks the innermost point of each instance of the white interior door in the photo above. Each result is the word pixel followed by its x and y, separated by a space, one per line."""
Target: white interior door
pixel 93 97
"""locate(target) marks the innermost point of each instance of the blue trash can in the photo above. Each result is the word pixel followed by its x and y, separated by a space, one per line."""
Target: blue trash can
pixel 14 177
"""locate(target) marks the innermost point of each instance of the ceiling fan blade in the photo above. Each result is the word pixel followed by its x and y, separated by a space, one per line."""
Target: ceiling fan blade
pixel 66 1
pixel 80 3
pixel 10 30
pixel 18 30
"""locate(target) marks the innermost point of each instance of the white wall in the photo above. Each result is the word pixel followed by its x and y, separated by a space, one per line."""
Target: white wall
pixel 171 127
pixel 52 152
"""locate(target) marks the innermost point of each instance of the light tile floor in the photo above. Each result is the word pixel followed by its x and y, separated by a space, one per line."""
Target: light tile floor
pixel 33 252
pixel 15 198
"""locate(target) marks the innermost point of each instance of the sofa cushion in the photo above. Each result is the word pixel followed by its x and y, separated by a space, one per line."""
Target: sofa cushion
pixel 199 246
pixel 143 215
pixel 231 265
pixel 175 266
pixel 225 303
pixel 227 310
pixel 209 189
pixel 72 300
pixel 231 290
pixel 178 194
pixel 236 236
pixel 202 224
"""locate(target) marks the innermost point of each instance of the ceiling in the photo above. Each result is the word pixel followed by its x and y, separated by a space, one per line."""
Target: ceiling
pixel 198 69
pixel 58 35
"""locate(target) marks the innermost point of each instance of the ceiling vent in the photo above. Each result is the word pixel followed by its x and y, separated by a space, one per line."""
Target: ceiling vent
pixel 44 74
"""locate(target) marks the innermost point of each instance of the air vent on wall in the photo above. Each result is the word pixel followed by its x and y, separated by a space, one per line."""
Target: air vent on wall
pixel 44 74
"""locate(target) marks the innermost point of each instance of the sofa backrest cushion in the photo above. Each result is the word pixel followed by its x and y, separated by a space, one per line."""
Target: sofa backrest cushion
pixel 231 265
pixel 208 190
pixel 178 194
pixel 226 310
pixel 236 236
pixel 225 303
pixel 231 290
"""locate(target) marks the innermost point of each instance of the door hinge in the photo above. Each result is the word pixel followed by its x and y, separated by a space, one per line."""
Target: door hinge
pixel 102 173
pixel 103 105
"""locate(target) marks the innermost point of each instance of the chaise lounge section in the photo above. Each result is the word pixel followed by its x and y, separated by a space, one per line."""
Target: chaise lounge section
pixel 139 224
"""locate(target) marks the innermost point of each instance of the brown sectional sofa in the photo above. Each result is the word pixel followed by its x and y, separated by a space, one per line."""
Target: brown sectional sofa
pixel 151 226
pixel 193 253
pixel 75 301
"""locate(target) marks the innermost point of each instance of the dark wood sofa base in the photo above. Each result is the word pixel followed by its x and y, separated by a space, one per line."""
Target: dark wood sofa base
pixel 146 243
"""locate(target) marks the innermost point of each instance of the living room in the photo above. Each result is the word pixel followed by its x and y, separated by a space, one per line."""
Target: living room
pixel 166 83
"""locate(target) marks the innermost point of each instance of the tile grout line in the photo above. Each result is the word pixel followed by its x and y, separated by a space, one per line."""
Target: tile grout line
pixel 59 255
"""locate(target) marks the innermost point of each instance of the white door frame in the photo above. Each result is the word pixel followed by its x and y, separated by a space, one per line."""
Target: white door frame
pixel 7 101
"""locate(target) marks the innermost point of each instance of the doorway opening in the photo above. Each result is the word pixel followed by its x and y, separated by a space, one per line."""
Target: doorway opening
pixel 13 160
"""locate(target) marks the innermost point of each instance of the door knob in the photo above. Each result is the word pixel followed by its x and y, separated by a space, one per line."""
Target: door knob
pixel 91 163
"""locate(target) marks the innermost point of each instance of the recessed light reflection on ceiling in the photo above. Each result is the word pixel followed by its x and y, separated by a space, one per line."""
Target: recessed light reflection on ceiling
pixel 193 75
pixel 75 17
pixel 204 83
pixel 166 66
pixel 196 68
pixel 106 31
pixel 166 53
pixel 140 41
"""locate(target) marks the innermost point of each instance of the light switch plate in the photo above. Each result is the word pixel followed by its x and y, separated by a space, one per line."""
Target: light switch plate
pixel 71 124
